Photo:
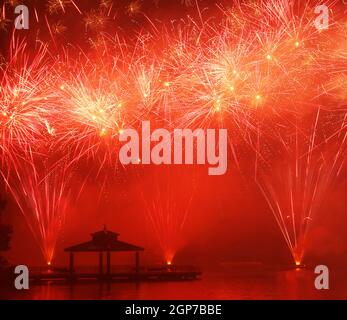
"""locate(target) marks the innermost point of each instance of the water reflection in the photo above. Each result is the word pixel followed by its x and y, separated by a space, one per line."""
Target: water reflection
pixel 226 283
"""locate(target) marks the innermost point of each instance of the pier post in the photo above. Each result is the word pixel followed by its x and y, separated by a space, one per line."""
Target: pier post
pixel 101 262
pixel 71 262
pixel 137 262
pixel 108 262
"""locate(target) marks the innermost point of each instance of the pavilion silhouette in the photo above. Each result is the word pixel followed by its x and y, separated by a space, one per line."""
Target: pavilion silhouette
pixel 104 242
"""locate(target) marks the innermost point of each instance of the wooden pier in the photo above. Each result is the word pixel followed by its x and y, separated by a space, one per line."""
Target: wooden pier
pixel 171 273
pixel 104 243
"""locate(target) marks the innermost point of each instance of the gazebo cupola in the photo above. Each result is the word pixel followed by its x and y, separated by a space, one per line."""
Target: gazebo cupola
pixel 104 237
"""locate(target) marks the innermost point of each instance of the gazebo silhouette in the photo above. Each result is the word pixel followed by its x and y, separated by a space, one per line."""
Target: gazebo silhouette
pixel 104 241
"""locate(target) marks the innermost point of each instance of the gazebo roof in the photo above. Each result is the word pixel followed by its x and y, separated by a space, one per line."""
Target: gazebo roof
pixel 103 241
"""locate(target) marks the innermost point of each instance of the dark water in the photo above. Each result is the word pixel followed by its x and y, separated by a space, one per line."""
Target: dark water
pixel 242 282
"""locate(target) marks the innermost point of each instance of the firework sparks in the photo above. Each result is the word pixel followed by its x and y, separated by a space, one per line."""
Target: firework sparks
pixel 95 20
pixel 251 71
pixel 134 8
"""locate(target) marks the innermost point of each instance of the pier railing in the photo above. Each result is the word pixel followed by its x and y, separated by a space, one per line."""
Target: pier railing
pixel 115 270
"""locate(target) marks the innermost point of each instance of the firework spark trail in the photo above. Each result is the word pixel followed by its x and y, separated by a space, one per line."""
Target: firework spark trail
pixel 167 209
pixel 42 192
pixel 297 184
